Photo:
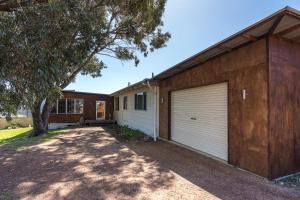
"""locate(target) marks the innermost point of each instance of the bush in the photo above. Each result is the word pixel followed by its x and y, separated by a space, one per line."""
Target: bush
pixel 129 133
pixel 14 125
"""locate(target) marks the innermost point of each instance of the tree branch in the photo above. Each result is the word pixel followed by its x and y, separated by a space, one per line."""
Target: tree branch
pixel 79 68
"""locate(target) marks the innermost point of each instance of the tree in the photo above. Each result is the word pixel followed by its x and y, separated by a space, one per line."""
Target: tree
pixel 43 46
pixel 11 5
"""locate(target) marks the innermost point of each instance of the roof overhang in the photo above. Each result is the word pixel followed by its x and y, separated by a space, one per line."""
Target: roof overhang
pixel 141 84
pixel 285 23
pixel 79 92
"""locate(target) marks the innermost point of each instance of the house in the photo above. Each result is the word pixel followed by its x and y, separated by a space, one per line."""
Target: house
pixel 81 107
pixel 136 106
pixel 239 100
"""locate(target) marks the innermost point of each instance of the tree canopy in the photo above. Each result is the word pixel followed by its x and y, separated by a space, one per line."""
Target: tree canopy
pixel 43 46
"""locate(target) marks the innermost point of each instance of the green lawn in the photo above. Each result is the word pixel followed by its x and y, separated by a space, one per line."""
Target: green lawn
pixel 13 133
pixel 19 136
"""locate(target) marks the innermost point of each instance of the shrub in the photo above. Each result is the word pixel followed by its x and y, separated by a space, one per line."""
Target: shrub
pixel 129 133
pixel 13 125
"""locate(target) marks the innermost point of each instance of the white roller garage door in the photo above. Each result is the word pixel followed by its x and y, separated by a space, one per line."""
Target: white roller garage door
pixel 199 119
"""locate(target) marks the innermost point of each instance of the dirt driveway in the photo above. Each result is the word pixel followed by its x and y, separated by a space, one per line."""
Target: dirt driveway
pixel 89 163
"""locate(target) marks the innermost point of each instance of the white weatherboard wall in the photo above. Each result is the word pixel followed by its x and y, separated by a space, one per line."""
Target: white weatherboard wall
pixel 199 119
pixel 143 120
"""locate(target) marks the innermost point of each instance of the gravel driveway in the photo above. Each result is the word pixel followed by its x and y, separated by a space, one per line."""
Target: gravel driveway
pixel 89 163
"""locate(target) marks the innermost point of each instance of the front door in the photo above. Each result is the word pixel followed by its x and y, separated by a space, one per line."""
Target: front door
pixel 100 110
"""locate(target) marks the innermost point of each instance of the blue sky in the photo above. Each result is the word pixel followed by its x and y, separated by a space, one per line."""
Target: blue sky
pixel 194 26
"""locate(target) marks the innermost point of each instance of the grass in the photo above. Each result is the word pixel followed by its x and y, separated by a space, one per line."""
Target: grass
pixel 13 133
pixel 19 137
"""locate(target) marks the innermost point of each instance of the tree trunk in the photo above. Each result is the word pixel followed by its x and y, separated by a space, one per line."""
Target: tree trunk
pixel 40 119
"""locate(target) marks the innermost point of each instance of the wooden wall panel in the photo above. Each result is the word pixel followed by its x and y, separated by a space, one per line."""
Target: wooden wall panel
pixel 89 112
pixel 284 106
pixel 243 68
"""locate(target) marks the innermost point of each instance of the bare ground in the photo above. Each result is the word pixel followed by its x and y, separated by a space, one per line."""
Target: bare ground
pixel 89 163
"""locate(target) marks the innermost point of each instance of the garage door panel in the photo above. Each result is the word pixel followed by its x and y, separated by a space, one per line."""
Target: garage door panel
pixel 199 119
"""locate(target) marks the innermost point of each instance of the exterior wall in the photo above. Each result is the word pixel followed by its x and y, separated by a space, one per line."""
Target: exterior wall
pixel 284 59
pixel 89 109
pixel 143 120
pixel 61 125
pixel 243 68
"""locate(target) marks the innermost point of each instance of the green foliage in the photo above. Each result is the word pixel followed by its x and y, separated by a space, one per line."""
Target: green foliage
pixel 43 46
pixel 130 134
pixel 6 196
pixel 9 99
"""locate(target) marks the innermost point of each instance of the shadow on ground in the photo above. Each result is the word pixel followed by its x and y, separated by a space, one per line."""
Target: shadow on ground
pixel 89 163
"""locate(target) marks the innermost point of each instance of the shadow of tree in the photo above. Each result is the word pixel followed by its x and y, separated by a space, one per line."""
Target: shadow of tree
pixel 86 163
pixel 93 163
pixel 25 134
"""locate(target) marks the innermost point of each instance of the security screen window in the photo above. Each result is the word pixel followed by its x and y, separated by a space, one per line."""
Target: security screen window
pixel 140 101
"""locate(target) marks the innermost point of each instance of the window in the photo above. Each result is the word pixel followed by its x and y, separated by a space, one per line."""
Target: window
pixel 140 101
pixel 117 103
pixel 68 106
pixel 61 106
pixel 125 103
pixel 79 106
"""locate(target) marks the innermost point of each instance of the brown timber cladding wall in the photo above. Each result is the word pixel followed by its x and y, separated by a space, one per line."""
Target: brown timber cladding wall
pixel 284 107
pixel 243 68
pixel 89 109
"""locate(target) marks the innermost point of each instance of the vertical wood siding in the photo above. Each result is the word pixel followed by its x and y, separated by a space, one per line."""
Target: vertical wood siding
pixel 89 109
pixel 243 68
pixel 284 107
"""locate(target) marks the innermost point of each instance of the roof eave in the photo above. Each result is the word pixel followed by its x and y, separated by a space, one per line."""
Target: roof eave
pixel 277 16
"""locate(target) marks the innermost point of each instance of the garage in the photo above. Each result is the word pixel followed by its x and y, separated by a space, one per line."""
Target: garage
pixel 199 119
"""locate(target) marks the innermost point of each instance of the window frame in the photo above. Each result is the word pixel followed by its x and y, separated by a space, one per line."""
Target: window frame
pixel 75 103
pixel 66 107
pixel 143 103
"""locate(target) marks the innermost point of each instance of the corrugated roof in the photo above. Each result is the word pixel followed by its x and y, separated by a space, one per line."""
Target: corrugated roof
pixel 284 23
